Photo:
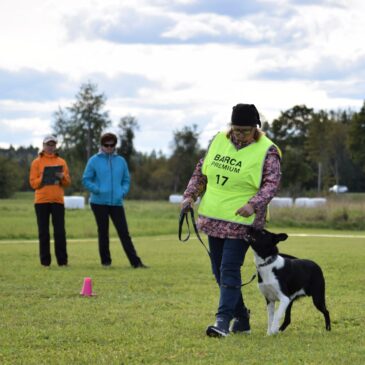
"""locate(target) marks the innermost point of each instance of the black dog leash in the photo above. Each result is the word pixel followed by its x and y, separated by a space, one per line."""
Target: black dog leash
pixel 250 281
pixel 184 215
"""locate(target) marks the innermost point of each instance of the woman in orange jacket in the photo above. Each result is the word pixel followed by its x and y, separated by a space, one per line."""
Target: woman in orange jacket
pixel 49 175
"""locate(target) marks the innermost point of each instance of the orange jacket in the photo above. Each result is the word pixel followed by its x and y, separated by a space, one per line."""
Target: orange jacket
pixel 48 193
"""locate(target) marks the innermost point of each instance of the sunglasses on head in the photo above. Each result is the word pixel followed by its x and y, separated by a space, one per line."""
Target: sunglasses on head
pixel 109 144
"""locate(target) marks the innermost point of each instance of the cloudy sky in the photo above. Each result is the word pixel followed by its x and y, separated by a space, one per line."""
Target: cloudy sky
pixel 175 63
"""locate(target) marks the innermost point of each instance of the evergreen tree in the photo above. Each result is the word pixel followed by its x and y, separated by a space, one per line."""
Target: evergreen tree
pixel 127 126
pixel 10 177
pixel 291 128
pixel 356 138
pixel 79 128
pixel 22 157
pixel 186 152
pixel 289 132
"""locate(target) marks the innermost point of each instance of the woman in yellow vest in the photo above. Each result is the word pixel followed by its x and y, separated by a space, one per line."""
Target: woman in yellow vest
pixel 236 180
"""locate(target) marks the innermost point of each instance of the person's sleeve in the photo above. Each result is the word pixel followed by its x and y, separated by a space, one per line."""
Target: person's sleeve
pixel 197 183
pixel 35 176
pixel 126 180
pixel 66 180
pixel 271 176
pixel 88 178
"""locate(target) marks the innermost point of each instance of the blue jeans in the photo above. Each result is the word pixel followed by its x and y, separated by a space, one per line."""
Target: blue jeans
pixel 227 257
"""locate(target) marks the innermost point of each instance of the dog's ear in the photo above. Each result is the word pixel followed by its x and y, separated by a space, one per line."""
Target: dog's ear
pixel 280 237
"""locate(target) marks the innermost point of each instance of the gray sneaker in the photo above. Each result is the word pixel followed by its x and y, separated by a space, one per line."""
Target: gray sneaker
pixel 219 329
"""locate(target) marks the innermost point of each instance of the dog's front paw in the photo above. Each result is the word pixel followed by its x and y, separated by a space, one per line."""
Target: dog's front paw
pixel 274 330
pixel 270 332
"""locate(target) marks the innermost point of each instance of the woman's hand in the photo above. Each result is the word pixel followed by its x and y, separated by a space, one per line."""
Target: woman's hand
pixel 186 204
pixel 246 211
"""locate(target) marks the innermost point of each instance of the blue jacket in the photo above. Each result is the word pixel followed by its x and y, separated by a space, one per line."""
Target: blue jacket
pixel 106 176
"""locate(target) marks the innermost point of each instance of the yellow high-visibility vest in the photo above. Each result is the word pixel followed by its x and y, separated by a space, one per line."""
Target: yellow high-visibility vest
pixel 234 177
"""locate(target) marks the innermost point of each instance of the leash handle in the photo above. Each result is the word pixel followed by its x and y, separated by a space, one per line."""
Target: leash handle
pixel 184 214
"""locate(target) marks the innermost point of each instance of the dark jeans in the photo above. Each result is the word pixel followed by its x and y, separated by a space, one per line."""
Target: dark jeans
pixel 117 214
pixel 227 257
pixel 43 212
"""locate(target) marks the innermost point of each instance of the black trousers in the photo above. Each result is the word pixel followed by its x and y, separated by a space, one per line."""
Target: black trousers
pixel 57 212
pixel 117 215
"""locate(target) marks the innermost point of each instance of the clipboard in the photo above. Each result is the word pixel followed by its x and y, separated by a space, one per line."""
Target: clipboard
pixel 49 175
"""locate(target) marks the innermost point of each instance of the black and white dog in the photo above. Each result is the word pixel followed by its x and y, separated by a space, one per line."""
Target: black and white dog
pixel 285 278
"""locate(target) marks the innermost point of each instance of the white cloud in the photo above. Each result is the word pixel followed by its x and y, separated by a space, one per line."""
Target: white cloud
pixel 23 131
pixel 294 54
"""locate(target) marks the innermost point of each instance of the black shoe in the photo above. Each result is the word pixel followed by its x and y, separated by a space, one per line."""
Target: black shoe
pixel 219 329
pixel 213 331
pixel 241 324
pixel 141 265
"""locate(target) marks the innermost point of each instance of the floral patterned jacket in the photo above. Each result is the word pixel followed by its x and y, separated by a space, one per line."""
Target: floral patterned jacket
pixel 270 183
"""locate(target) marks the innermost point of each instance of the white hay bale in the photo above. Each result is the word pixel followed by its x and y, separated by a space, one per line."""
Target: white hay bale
pixel 301 202
pixel 310 202
pixel 174 198
pixel 318 202
pixel 74 202
pixel 281 202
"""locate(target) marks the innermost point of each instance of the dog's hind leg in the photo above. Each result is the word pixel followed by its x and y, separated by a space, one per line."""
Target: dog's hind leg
pixel 287 318
pixel 318 297
pixel 320 304
pixel 327 320
pixel 270 315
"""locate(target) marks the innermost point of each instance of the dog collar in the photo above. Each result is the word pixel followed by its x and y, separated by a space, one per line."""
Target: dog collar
pixel 269 261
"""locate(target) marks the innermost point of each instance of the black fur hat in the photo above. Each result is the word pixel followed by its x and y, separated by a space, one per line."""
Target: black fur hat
pixel 245 115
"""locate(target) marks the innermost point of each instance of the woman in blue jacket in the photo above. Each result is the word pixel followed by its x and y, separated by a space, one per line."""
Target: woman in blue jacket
pixel 106 176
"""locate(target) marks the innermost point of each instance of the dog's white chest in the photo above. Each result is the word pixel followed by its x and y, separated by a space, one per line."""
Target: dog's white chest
pixel 270 291
pixel 269 286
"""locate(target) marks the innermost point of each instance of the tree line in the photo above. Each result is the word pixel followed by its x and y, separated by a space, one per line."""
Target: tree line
pixel 320 149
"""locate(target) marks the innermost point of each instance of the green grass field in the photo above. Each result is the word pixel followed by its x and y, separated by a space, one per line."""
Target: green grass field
pixel 159 315
pixel 145 218
pixel 18 219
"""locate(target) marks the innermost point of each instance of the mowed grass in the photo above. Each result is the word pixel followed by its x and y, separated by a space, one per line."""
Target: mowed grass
pixel 18 220
pixel 151 218
pixel 159 315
